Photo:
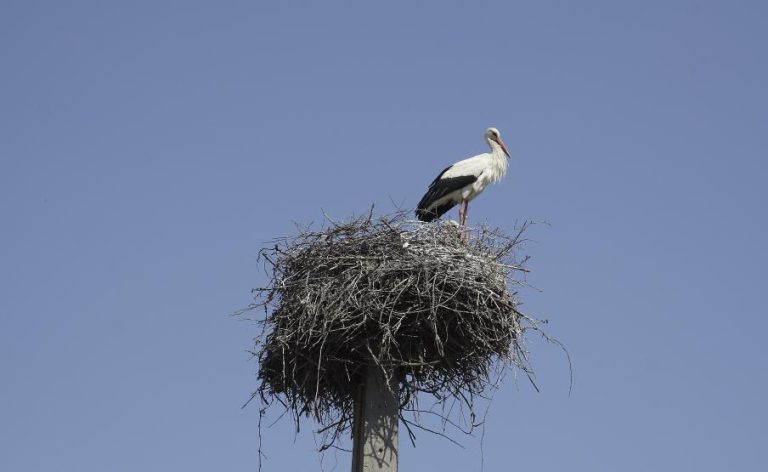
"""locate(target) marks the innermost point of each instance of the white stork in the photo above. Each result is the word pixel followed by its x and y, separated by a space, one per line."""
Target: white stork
pixel 464 180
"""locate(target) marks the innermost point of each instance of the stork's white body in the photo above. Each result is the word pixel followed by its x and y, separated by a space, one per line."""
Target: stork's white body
pixel 465 180
pixel 488 168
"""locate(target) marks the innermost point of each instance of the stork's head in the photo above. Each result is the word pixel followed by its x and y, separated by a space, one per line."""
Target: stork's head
pixel 494 139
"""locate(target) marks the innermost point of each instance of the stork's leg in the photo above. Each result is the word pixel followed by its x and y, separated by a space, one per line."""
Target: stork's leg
pixel 463 213
pixel 463 220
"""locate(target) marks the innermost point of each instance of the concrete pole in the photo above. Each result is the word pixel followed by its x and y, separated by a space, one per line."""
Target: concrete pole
pixel 374 432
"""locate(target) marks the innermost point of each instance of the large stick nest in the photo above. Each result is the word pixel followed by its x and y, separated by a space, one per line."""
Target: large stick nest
pixel 420 300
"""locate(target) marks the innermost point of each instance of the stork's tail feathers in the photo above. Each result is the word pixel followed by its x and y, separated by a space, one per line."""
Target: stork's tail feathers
pixel 427 215
pixel 438 199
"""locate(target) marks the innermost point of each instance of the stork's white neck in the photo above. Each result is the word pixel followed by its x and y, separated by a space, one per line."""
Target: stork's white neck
pixel 499 162
pixel 496 149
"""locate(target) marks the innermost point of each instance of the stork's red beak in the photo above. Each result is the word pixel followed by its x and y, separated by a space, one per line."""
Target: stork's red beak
pixel 504 148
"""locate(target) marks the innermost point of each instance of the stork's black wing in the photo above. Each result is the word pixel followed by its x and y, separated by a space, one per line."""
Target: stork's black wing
pixel 439 188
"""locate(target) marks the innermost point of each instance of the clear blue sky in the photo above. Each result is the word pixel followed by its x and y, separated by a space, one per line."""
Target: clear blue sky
pixel 149 148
